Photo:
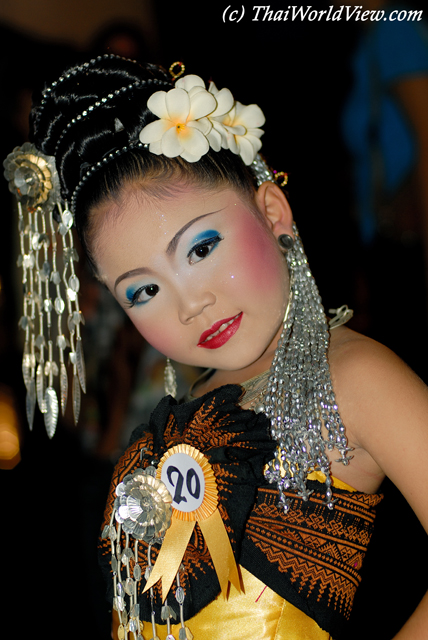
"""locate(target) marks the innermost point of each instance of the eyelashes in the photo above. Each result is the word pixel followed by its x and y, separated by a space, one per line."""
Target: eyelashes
pixel 199 251
pixel 204 248
pixel 141 295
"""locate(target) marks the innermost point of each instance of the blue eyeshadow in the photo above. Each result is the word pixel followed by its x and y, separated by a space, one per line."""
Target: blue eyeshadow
pixel 130 292
pixel 204 235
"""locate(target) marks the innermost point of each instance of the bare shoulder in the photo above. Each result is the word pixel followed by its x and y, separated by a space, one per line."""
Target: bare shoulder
pixel 365 370
pixel 349 348
pixel 384 407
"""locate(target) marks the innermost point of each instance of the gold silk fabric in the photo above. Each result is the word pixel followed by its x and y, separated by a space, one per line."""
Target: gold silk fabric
pixel 337 484
pixel 258 613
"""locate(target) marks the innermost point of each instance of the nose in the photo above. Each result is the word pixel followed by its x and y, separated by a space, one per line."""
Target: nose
pixel 193 303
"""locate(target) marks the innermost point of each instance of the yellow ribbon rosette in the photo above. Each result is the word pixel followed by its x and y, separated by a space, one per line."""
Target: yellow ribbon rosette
pixel 190 479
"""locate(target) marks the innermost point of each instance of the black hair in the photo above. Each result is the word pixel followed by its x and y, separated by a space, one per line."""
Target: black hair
pixel 95 111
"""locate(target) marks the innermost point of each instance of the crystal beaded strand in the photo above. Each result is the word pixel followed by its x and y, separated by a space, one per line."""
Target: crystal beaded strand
pixel 128 622
pixel 167 613
pixel 58 306
pixel 49 284
pixel 147 574
pixel 184 632
pixel 27 320
pixel 135 610
pixel 75 317
pixel 41 387
pixel 300 398
pixel 39 257
pixel 119 603
pixel 51 367
pixel 38 372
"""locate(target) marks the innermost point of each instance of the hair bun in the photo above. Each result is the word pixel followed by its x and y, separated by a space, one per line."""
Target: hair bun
pixel 91 109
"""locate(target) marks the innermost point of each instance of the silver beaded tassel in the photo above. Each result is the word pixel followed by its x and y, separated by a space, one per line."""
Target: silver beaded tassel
pixel 142 511
pixel 50 289
pixel 300 399
pixel 50 286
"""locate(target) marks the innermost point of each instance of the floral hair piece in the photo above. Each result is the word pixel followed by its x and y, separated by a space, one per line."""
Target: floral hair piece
pixel 193 119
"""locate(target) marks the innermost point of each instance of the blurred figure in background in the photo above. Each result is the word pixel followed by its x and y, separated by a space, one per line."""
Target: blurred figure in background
pixel 385 126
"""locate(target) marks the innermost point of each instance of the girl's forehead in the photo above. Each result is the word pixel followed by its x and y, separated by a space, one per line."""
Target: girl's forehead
pixel 141 218
pixel 169 207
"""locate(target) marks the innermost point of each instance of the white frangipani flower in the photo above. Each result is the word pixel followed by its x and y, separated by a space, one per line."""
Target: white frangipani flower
pixel 182 126
pixel 242 130
pixel 192 119
pixel 218 135
pixel 190 83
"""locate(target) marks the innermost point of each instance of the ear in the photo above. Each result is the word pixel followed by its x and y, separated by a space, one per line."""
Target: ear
pixel 273 204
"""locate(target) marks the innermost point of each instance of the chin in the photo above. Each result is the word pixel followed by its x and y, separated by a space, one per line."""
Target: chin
pixel 236 362
pixel 239 353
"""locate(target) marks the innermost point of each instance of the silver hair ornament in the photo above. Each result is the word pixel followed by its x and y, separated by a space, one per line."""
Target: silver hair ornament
pixel 50 286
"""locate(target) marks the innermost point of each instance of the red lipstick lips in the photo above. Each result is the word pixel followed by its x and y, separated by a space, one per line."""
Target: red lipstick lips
pixel 210 341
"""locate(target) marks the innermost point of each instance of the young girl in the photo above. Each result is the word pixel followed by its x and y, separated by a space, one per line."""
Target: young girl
pixel 262 484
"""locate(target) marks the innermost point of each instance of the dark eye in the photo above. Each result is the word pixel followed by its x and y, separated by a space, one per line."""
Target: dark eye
pixel 143 294
pixel 152 290
pixel 203 249
pixel 202 252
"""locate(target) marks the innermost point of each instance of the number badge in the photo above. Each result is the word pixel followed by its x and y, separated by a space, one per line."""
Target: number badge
pixel 190 480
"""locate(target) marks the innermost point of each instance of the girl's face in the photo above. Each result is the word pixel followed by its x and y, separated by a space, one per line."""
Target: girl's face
pixel 199 273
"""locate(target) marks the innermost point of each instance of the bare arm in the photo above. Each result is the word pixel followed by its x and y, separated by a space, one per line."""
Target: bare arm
pixel 384 406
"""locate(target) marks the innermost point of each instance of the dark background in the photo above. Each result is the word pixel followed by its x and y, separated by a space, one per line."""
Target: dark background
pixel 298 72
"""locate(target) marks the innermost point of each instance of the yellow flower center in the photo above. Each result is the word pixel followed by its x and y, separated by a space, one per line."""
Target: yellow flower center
pixel 180 127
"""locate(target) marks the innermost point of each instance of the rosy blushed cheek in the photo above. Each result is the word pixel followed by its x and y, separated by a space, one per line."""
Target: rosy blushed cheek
pixel 257 260
pixel 162 334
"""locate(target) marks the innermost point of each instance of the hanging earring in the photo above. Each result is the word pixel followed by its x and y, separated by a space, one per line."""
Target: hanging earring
pixel 300 400
pixel 170 379
pixel 286 242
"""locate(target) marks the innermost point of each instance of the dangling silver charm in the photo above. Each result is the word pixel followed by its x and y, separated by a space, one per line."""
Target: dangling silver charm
pixel 170 379
pixel 142 511
pixel 49 281
pixel 52 411
pixel 300 399
pixel 76 397
pixel 80 363
pixel 30 402
pixel 41 387
pixel 63 384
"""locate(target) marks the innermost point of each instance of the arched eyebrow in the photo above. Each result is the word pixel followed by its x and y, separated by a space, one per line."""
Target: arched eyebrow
pixel 172 246
pixel 134 272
